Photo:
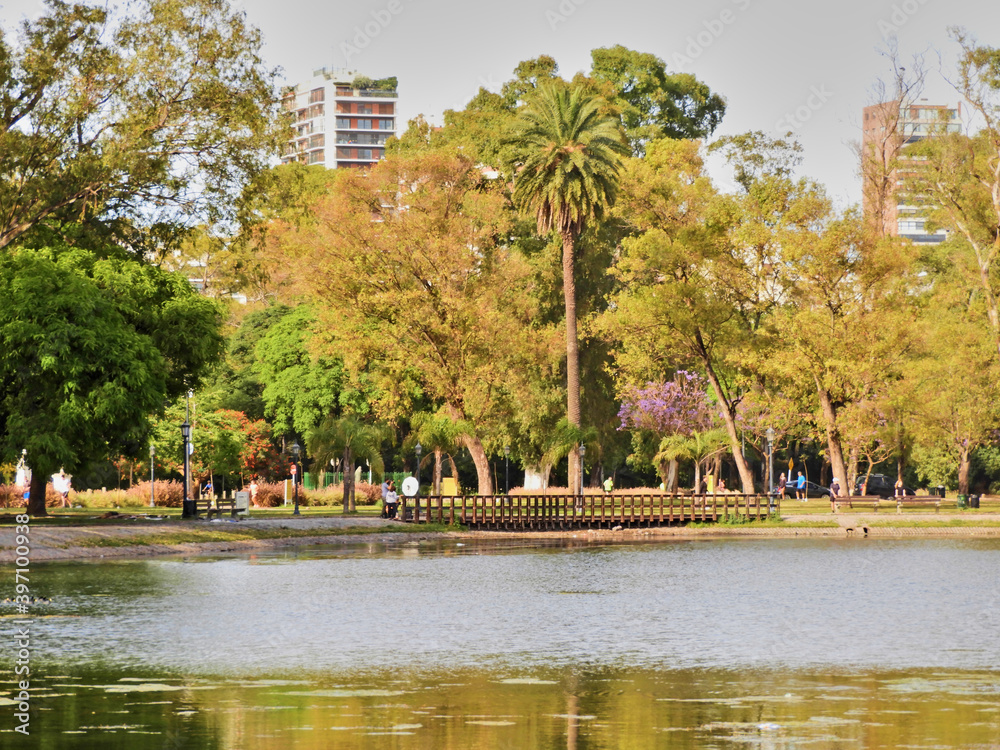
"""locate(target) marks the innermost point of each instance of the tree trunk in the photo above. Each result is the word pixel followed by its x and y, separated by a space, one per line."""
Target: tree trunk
pixel 964 464
pixel 572 355
pixel 348 481
pixel 478 454
pixel 672 480
pixel 36 494
pixel 454 472
pixel 835 452
pixel 729 417
pixel 697 477
pixel 852 471
pixel 437 471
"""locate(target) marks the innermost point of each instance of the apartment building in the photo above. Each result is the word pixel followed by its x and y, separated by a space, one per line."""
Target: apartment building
pixel 340 119
pixel 887 129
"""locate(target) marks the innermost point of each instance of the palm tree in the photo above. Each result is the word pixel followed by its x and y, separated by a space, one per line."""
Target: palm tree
pixel 570 155
pixel 441 436
pixel 697 447
pixel 350 438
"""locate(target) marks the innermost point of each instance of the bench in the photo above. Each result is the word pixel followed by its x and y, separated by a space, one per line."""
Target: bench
pixel 215 505
pixel 922 503
pixel 859 502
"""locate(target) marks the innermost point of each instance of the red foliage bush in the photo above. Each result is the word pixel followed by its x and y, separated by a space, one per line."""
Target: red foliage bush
pixel 272 494
pixel 11 496
pixel 169 494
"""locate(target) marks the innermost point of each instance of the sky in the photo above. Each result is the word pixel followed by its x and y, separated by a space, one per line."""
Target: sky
pixel 808 67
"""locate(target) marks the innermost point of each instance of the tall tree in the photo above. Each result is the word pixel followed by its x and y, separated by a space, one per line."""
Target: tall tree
pixel 89 349
pixel 957 178
pixel 652 102
pixel 155 116
pixel 418 288
pixel 571 159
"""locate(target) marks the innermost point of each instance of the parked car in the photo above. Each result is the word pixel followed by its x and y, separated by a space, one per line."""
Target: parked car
pixel 812 490
pixel 879 484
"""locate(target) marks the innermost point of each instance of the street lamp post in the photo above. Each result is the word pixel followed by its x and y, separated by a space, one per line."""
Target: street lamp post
pixel 187 511
pixel 296 450
pixel 418 449
pixel 152 475
pixel 506 470
pixel 770 460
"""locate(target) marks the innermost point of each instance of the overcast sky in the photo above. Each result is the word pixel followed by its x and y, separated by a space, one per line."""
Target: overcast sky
pixel 781 65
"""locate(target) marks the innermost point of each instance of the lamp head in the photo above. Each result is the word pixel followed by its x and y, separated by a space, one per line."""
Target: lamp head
pixel 583 449
pixel 418 448
pixel 296 449
pixel 186 430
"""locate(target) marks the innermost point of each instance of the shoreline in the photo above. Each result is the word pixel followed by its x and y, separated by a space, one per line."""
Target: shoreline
pixel 56 544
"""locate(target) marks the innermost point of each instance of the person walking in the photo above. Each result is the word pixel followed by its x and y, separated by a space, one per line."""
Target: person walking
pixel 834 494
pixel 62 483
pixel 609 486
pixel 253 492
pixel 900 491
pixel 800 488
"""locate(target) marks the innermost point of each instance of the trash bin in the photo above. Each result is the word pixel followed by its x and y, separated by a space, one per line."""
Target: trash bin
pixel 962 502
pixel 973 501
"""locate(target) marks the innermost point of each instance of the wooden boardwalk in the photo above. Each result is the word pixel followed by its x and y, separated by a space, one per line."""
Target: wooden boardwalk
pixel 555 512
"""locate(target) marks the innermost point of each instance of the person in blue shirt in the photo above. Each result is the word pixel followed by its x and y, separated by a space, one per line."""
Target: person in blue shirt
pixel 800 487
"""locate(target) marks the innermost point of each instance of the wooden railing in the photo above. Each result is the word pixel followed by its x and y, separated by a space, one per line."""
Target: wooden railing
pixel 545 512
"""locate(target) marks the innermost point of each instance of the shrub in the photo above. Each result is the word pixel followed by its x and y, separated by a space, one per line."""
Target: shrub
pixel 366 494
pixel 271 494
pixel 169 494
pixel 328 496
pixel 11 496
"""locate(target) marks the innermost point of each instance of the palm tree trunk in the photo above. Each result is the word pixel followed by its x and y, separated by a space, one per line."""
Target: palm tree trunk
pixel 572 355
pixel 437 471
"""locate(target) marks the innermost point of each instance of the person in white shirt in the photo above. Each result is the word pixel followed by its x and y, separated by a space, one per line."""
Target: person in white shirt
pixel 62 483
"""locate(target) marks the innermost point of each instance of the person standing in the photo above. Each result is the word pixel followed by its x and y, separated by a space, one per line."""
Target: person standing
pixel 900 491
pixel 609 486
pixel 62 483
pixel 253 492
pixel 385 488
pixel 800 488
pixel 834 494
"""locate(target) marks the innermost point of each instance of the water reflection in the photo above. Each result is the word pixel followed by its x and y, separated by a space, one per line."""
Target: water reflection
pixel 575 709
pixel 771 643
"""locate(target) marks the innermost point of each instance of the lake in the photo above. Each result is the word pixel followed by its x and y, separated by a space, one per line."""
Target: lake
pixel 773 643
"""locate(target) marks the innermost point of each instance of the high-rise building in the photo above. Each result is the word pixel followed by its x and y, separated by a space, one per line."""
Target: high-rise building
pixel 887 128
pixel 341 119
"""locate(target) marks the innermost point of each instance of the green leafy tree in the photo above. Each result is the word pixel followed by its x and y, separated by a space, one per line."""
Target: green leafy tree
pixel 89 349
pixel 441 436
pixel 653 103
pixel 347 438
pixel 418 295
pixel 571 159
pixel 138 120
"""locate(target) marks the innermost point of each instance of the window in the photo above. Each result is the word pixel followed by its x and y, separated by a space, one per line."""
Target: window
pixel 364 153
pixel 343 122
pixel 316 141
pixel 386 124
pixel 364 124
pixel 317 95
pixel 316 110
pixel 364 109
pixel 386 109
pixel 315 157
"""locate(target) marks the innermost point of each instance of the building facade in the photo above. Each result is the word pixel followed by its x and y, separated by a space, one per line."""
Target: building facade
pixel 887 129
pixel 336 124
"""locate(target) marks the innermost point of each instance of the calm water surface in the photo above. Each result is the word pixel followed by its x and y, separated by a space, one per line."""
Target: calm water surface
pixel 762 643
